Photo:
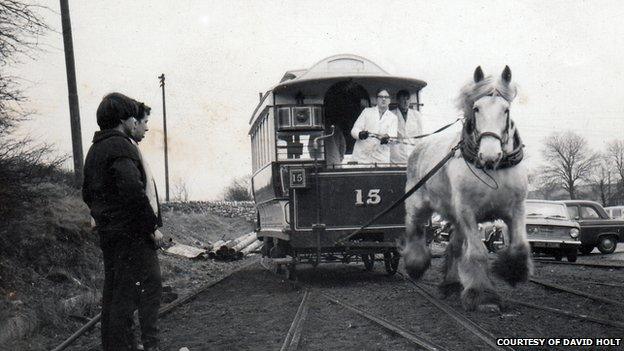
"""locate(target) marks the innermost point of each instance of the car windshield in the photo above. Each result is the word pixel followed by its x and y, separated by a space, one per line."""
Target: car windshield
pixel 545 209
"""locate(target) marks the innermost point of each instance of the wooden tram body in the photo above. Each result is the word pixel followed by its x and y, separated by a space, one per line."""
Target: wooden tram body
pixel 307 200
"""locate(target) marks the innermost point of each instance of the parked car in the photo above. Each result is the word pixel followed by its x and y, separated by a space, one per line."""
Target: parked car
pixel 550 231
pixel 615 212
pixel 597 229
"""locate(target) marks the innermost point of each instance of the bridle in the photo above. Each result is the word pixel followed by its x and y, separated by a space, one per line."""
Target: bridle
pixel 503 139
pixel 471 138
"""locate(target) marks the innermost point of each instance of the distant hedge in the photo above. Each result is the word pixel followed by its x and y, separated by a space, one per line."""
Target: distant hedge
pixel 231 209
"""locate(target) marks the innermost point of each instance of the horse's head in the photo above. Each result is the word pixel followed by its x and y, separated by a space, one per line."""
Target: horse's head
pixel 488 127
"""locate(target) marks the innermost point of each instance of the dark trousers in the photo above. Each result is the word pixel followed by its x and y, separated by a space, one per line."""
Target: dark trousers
pixel 131 281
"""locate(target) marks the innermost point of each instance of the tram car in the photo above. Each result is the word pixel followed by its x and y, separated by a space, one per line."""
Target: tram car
pixel 309 193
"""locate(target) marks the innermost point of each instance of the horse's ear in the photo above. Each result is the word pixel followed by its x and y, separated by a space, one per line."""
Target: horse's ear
pixel 506 74
pixel 478 74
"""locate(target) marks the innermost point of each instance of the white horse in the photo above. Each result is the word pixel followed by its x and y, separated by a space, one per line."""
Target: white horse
pixel 482 182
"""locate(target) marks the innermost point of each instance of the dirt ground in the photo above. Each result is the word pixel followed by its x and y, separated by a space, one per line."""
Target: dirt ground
pixel 253 309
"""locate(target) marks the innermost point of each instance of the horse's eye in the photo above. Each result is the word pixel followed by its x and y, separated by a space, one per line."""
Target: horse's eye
pixel 475 110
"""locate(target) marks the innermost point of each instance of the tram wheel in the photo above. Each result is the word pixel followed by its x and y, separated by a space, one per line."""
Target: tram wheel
pixel 369 262
pixel 291 271
pixel 279 250
pixel 266 248
pixel 391 261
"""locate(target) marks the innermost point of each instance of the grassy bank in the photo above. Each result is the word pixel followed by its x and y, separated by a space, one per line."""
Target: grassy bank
pixel 51 270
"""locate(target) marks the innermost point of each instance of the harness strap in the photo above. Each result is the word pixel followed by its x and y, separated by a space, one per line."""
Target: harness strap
pixel 407 194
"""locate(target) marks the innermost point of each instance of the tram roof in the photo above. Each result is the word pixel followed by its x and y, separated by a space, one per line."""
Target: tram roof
pixel 338 68
pixel 344 66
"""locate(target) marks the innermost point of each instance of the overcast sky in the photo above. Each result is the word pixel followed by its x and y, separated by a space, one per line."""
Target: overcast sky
pixel 566 57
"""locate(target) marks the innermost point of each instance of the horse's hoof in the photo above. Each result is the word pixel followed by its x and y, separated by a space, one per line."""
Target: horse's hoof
pixel 482 300
pixel 417 261
pixel 449 288
pixel 489 308
pixel 470 299
pixel 491 297
pixel 512 266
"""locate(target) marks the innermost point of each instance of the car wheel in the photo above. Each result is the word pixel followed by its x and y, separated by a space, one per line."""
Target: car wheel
pixel 607 244
pixel 558 256
pixel 586 249
pixel 571 256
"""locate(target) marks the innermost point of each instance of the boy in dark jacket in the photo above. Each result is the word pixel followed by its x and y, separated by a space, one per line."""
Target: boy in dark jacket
pixel 114 190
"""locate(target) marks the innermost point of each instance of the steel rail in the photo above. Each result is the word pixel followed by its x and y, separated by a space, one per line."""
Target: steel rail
pixel 471 326
pixel 420 341
pixel 161 312
pixel 588 264
pixel 190 296
pixel 417 340
pixel 584 317
pixel 569 290
pixel 615 285
pixel 291 342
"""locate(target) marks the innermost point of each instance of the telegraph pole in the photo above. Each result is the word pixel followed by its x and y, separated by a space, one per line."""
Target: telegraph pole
pixel 74 111
pixel 162 85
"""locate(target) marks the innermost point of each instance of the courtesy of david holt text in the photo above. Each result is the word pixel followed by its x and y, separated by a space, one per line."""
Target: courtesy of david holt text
pixel 559 341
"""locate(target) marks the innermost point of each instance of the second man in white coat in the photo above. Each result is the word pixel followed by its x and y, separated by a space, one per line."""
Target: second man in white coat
pixel 409 125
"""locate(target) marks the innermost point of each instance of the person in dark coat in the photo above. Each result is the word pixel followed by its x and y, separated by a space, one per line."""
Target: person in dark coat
pixel 114 188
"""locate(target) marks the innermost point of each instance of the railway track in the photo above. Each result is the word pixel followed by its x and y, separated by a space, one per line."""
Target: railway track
pixel 417 340
pixel 293 337
pixel 586 264
pixel 463 321
pixel 566 289
pixel 563 288
pixel 291 343
pixel 163 310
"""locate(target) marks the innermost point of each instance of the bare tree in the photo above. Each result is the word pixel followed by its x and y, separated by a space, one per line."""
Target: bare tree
pixel 569 161
pixel 20 27
pixel 180 191
pixel 238 190
pixel 601 178
pixel 615 154
pixel 21 161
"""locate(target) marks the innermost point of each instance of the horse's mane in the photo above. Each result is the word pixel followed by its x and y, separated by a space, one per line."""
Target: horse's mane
pixel 472 92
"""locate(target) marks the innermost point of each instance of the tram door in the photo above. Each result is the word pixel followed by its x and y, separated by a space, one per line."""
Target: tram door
pixel 344 101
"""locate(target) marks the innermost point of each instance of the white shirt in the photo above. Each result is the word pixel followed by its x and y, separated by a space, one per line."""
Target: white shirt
pixel 150 184
pixel 370 150
pixel 406 128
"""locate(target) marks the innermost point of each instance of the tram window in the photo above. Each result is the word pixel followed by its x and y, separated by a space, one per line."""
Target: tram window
pixel 318 116
pixel 253 152
pixel 263 142
pixel 299 117
pixel 283 117
pixel 298 146
pixel 302 117
pixel 267 156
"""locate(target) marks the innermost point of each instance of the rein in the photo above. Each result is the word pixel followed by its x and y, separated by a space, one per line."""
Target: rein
pixel 397 140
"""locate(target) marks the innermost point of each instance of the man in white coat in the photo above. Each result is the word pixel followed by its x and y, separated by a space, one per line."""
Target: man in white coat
pixel 373 130
pixel 409 125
